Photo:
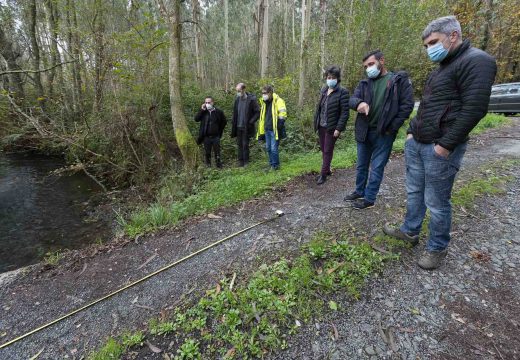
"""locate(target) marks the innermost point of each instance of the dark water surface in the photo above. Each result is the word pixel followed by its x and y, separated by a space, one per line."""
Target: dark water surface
pixel 41 212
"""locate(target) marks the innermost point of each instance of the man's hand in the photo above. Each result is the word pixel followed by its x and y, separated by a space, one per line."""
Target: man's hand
pixel 336 133
pixel 363 108
pixel 409 136
pixel 441 151
pixel 203 107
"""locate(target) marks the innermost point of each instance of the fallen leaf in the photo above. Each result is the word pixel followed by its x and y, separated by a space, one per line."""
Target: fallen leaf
pixel 319 270
pixel 415 311
pixel 213 216
pixel 135 300
pixel 35 356
pixel 154 348
pixel 298 323
pixel 166 357
pixel 3 334
pixel 331 270
pixel 217 290
pixel 230 353
pixel 232 281
pixel 458 318
pixel 333 305
pixel 335 330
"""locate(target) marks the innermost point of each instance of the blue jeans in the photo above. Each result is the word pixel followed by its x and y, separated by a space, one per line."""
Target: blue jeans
pixel 373 154
pixel 429 181
pixel 271 146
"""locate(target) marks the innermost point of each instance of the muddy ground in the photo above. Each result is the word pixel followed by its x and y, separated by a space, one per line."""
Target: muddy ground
pixel 467 309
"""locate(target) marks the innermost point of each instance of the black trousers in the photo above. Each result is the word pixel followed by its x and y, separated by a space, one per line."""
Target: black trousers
pixel 212 143
pixel 243 146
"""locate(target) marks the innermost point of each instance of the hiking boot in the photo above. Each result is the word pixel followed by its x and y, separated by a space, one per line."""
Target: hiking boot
pixel 321 179
pixel 352 196
pixel 398 234
pixel 431 260
pixel 361 204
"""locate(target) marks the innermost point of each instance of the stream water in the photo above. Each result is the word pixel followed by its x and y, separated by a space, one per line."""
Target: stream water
pixel 42 213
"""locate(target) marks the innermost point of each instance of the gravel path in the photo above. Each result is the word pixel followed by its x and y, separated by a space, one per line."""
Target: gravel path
pixel 466 308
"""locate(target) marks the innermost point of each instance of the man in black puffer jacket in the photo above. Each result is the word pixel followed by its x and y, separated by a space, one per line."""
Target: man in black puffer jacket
pixel 455 99
pixel 212 123
pixel 383 101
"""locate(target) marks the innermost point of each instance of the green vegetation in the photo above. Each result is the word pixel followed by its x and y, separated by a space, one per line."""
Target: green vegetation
pixel 213 189
pixel 111 350
pixel 249 319
pixel 492 182
pixel 53 258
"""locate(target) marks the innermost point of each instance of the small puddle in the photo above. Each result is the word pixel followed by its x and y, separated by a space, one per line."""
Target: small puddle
pixel 43 213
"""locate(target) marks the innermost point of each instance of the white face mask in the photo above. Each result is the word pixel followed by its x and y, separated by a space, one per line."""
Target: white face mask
pixel 209 106
pixel 265 97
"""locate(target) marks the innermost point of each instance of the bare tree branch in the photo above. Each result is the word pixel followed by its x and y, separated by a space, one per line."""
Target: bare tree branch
pixel 35 71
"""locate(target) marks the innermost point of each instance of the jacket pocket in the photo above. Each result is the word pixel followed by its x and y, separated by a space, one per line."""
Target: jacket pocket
pixel 441 120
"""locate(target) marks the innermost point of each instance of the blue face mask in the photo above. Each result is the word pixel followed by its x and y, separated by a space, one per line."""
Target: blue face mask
pixel 438 52
pixel 331 83
pixel 373 71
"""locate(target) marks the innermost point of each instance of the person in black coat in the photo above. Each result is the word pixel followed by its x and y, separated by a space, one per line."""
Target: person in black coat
pixel 330 117
pixel 455 98
pixel 245 114
pixel 212 123
pixel 384 100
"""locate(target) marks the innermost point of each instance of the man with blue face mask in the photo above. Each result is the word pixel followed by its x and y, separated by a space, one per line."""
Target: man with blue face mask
pixel 455 98
pixel 384 100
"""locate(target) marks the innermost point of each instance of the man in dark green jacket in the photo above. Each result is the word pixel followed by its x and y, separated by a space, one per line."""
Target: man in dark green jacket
pixel 384 100
pixel 455 99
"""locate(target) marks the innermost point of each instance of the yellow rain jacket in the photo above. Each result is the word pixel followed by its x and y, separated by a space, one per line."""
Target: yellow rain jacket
pixel 279 112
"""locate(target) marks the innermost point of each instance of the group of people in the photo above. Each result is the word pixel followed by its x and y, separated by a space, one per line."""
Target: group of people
pixel 454 100
pixel 269 111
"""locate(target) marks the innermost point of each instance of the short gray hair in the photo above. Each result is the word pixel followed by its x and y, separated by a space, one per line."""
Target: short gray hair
pixel 445 25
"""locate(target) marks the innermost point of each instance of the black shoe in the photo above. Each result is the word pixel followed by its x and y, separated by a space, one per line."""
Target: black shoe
pixel 329 173
pixel 321 179
pixel 352 196
pixel 361 204
pixel 398 234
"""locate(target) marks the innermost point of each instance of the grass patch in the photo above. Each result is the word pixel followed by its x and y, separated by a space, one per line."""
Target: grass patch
pixel 491 182
pixel 251 319
pixel 53 258
pixel 234 185
pixel 111 350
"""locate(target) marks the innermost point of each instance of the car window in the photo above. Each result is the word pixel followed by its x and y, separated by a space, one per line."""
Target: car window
pixel 513 91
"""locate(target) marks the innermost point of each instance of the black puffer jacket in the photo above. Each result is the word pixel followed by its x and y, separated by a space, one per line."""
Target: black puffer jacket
pixel 212 123
pixel 337 109
pixel 397 104
pixel 455 97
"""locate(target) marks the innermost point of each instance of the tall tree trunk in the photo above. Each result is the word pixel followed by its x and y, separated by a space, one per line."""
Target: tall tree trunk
pixel 226 46
pixel 347 31
pixel 259 31
pixel 488 15
pixel 293 26
pixel 306 13
pixel 323 31
pixel 196 23
pixel 35 52
pixel 285 9
pixel 185 141
pixel 52 18
pixel 72 66
pixel 76 52
pixel 99 56
pixel 264 53
pixel 11 54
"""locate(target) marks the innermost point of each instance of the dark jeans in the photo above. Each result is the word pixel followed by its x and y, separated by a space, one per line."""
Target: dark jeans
pixel 327 142
pixel 243 146
pixel 212 142
pixel 429 181
pixel 372 154
pixel 271 146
